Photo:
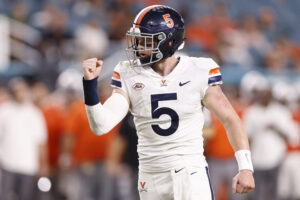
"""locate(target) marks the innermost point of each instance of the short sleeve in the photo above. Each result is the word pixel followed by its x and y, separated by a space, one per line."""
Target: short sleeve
pixel 117 79
pixel 212 75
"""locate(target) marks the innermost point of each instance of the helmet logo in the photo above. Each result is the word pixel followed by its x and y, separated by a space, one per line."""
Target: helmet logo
pixel 169 21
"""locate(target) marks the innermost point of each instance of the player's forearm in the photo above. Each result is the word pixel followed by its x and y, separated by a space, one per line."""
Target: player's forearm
pixel 238 140
pixel 219 105
pixel 235 132
pixel 98 119
pixel 102 118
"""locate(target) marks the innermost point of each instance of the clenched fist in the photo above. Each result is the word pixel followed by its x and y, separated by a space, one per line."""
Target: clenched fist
pixel 243 182
pixel 91 68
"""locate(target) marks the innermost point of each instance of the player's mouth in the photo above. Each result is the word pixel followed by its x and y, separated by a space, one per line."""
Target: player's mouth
pixel 142 55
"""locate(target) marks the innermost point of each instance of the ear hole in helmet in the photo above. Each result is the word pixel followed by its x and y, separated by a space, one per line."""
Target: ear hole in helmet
pixel 171 42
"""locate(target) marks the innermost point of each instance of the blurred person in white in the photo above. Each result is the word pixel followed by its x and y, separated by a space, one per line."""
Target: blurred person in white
pixel 23 137
pixel 269 126
pixel 289 176
pixel 91 31
pixel 4 95
pixel 249 82
pixel 85 174
pixel 234 48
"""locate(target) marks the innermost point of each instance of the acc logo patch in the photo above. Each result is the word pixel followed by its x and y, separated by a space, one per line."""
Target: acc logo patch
pixel 138 86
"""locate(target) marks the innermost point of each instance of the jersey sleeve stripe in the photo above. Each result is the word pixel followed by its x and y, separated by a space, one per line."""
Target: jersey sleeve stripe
pixel 214 71
pixel 214 80
pixel 116 75
pixel 116 83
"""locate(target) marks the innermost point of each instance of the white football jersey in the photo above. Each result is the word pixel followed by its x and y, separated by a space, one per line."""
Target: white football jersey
pixel 167 111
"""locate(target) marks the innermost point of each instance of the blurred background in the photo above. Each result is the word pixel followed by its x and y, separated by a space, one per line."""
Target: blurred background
pixel 47 150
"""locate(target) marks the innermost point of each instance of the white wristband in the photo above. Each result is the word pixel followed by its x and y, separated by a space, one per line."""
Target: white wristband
pixel 243 158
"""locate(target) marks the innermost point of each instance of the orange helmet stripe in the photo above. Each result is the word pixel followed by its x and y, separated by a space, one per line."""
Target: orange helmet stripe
pixel 142 14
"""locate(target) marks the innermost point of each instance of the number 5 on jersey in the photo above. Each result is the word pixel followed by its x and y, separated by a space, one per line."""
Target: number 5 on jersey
pixel 157 112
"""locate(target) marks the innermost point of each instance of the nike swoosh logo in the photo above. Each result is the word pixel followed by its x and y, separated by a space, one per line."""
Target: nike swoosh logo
pixel 176 171
pixel 193 173
pixel 182 84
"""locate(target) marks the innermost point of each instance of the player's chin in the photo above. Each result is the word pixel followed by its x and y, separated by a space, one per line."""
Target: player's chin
pixel 144 58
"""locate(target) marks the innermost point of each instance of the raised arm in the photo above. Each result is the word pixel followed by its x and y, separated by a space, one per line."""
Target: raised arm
pixel 219 105
pixel 102 118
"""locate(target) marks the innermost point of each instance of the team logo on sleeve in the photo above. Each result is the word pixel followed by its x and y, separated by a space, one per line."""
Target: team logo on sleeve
pixel 215 77
pixel 116 80
pixel 138 86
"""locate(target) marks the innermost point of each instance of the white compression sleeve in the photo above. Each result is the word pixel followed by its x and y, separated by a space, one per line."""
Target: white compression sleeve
pixel 102 118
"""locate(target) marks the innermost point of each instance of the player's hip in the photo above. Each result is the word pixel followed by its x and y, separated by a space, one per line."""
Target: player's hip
pixel 165 163
pixel 182 183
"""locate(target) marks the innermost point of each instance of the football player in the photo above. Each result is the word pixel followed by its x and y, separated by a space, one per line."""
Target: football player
pixel 166 95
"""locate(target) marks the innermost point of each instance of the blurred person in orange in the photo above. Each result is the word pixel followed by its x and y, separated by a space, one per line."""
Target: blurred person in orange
pixel 51 106
pixel 123 159
pixel 23 137
pixel 204 30
pixel 220 155
pixel 84 153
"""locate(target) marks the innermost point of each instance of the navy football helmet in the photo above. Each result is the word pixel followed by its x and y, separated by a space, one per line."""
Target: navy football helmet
pixel 157 29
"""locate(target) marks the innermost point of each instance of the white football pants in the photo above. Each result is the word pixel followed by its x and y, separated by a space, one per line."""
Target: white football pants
pixel 178 184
